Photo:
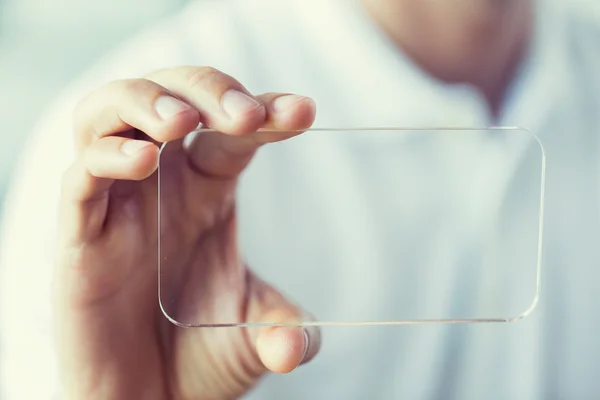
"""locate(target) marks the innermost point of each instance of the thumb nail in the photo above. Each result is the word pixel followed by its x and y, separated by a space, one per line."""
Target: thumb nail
pixel 306 345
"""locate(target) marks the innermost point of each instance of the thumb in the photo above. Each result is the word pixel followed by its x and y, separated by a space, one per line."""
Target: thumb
pixel 284 347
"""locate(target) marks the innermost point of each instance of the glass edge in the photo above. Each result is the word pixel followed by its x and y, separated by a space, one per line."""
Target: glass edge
pixel 528 311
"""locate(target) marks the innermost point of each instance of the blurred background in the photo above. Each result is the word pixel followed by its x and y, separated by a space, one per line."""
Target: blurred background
pixel 45 44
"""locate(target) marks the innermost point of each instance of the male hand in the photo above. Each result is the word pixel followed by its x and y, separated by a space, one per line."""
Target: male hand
pixel 114 343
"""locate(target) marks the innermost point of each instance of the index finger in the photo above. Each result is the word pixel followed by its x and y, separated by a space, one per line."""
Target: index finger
pixel 133 104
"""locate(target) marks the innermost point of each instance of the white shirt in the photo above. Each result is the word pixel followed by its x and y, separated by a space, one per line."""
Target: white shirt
pixel 328 50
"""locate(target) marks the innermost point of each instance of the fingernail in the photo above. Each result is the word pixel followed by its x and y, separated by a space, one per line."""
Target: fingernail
pixel 130 147
pixel 284 103
pixel 306 344
pixel 236 103
pixel 167 107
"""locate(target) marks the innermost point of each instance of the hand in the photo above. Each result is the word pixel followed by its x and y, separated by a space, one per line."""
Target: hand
pixel 114 343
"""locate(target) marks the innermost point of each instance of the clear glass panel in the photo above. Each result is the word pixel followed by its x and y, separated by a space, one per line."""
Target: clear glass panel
pixel 358 226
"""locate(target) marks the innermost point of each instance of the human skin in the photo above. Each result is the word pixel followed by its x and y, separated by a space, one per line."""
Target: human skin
pixel 113 341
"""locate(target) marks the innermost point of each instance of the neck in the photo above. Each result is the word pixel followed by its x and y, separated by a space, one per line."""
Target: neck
pixel 478 42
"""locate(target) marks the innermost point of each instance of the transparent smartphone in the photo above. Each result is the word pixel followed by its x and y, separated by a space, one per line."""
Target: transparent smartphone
pixel 358 226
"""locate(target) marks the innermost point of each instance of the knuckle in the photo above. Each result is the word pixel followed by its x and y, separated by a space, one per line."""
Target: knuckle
pixel 89 107
pixel 203 76
pixel 155 72
pixel 135 86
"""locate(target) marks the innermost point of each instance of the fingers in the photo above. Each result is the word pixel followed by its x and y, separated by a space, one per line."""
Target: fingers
pixel 289 114
pixel 121 158
pixel 217 154
pixel 122 106
pixel 224 104
pixel 106 160
pixel 86 183
pixel 194 94
pixel 167 106
pixel 288 111
pixel 171 103
pixel 283 349
pixel 280 349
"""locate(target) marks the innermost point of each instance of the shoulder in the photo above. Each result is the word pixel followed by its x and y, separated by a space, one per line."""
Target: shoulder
pixel 571 34
pixel 584 12
pixel 583 47
pixel 582 24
